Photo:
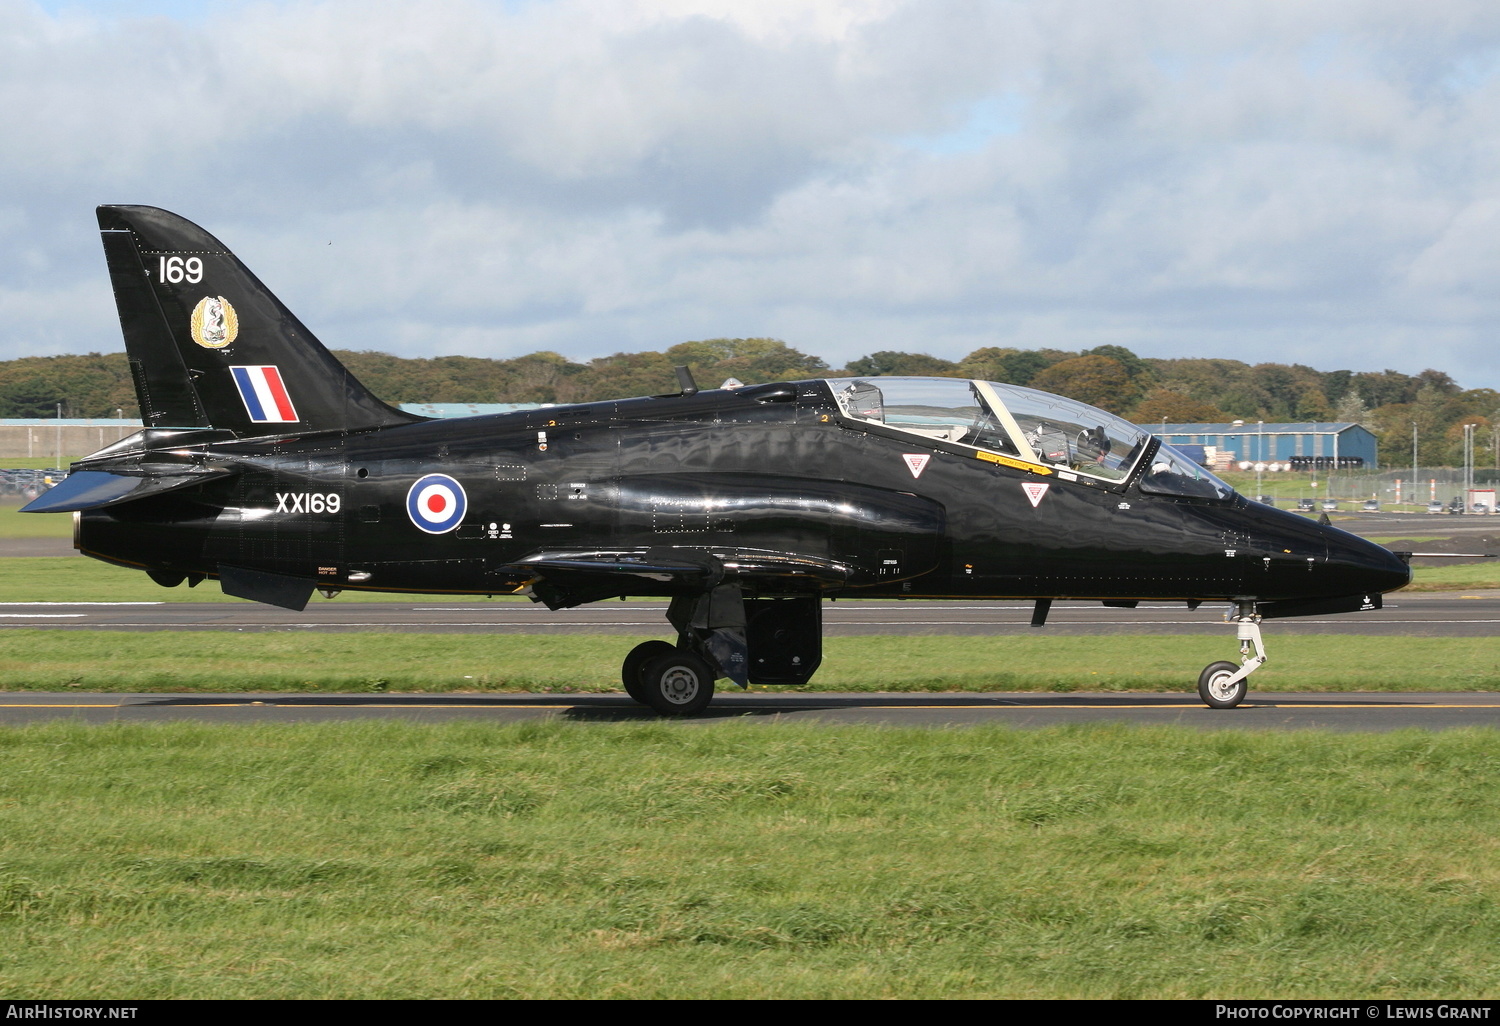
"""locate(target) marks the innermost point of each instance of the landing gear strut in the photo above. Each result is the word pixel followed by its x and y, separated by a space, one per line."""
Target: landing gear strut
pixel 720 633
pixel 1222 685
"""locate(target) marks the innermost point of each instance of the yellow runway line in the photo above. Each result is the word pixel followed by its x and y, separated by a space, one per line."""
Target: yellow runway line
pixel 725 708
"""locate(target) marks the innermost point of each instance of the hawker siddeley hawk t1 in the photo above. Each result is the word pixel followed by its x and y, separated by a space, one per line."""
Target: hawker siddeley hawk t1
pixel 266 465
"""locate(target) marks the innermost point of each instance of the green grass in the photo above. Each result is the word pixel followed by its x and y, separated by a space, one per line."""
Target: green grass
pixel 736 860
pixel 15 524
pixel 294 661
pixel 36 462
pixel 82 579
pixel 1457 577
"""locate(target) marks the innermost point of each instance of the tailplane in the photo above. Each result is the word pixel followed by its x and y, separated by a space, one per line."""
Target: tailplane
pixel 210 346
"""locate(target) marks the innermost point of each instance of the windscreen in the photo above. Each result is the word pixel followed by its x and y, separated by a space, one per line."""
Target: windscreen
pixel 1172 473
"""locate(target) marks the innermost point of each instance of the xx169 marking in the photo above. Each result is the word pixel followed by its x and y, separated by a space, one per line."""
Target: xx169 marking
pixel 307 502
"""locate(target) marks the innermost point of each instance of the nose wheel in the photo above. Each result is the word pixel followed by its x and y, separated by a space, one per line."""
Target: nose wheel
pixel 1223 685
pixel 1218 687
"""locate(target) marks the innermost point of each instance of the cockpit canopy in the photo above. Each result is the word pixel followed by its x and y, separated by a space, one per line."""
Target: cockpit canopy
pixel 1024 424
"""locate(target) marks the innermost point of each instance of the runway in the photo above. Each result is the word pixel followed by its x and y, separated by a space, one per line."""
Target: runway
pixel 1415 615
pixel 1411 615
pixel 1341 712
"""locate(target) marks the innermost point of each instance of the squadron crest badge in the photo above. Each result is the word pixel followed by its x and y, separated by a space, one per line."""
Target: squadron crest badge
pixel 215 324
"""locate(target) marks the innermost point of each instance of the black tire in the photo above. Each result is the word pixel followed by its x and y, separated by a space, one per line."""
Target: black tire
pixel 630 670
pixel 677 684
pixel 1211 689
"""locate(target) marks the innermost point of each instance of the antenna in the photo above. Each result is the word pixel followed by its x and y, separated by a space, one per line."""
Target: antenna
pixel 685 381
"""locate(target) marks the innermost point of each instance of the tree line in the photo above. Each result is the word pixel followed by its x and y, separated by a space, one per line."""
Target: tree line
pixel 1145 390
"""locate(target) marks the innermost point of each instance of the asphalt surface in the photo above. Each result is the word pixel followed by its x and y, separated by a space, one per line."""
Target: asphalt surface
pixel 36 547
pixel 1418 615
pixel 1342 712
pixel 1415 615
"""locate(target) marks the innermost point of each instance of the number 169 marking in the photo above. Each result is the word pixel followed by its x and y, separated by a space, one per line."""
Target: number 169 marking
pixel 176 269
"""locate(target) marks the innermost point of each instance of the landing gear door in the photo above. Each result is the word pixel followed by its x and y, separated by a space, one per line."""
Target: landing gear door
pixel 784 638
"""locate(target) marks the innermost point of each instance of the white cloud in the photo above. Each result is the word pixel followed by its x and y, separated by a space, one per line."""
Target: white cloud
pixel 1279 181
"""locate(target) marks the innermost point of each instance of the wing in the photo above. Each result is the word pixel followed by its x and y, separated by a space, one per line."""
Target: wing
pixel 562 579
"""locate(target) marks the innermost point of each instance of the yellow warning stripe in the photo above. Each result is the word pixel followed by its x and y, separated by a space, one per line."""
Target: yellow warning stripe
pixel 1006 461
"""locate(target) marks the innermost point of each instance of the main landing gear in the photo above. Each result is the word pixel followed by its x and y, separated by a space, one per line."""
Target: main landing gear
pixel 671 680
pixel 722 634
pixel 1223 685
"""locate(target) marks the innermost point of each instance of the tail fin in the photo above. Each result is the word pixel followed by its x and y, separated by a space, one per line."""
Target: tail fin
pixel 210 346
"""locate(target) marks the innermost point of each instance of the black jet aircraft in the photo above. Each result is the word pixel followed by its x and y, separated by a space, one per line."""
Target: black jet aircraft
pixel 265 464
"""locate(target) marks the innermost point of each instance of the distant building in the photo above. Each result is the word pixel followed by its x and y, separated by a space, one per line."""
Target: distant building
pixel 1301 445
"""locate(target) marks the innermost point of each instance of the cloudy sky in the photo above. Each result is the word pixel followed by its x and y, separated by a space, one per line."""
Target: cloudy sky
pixel 1305 181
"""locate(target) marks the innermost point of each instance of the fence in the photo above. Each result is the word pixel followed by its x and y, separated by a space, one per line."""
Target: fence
pixel 1358 485
pixel 64 440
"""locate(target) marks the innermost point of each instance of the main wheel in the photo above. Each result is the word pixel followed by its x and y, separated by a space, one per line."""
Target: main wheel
pixel 677 683
pixel 630 670
pixel 1214 687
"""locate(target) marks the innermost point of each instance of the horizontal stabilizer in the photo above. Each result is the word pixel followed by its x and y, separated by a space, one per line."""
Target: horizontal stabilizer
pixel 95 489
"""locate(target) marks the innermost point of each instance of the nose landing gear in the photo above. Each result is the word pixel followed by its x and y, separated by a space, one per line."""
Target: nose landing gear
pixel 1223 685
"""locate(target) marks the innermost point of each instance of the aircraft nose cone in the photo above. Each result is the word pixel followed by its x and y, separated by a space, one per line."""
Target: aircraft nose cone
pixel 1365 566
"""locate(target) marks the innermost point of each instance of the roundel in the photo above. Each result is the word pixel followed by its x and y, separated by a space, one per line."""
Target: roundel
pixel 436 503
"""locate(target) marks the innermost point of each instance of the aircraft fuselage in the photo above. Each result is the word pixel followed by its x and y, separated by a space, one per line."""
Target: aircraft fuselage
pixel 771 477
